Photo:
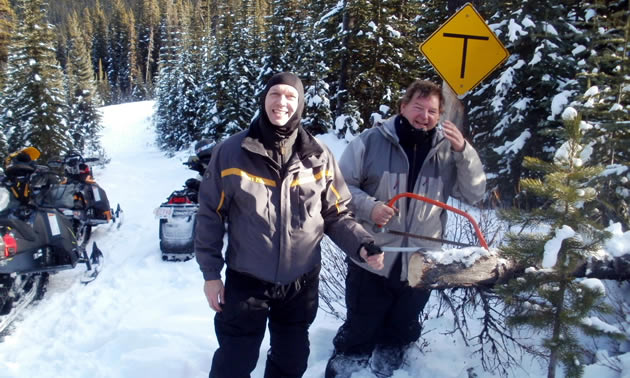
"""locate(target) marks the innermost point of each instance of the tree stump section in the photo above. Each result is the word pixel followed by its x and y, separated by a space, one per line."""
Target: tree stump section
pixel 487 271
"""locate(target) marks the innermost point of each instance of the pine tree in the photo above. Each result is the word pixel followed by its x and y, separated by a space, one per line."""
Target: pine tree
pixel 100 61
pixel 282 47
pixel 511 109
pixel 548 298
pixel 103 89
pixel 85 24
pixel 7 24
pixel 244 68
pixel 187 72
pixel 167 101
pixel 312 68
pixel 84 120
pixel 376 57
pixel 61 44
pixel 148 42
pixel 606 102
pixel 335 25
pixel 35 113
pixel 122 69
pixel 229 99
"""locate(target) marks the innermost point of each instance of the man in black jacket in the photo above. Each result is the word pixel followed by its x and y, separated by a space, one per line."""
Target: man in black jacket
pixel 278 190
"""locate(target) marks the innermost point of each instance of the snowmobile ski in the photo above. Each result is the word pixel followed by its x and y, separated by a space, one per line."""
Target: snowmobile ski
pixel 94 264
pixel 27 289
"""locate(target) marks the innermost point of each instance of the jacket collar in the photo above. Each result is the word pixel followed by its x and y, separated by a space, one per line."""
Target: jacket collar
pixel 307 145
pixel 388 129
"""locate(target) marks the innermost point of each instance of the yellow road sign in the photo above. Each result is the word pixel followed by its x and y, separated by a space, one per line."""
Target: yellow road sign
pixel 464 50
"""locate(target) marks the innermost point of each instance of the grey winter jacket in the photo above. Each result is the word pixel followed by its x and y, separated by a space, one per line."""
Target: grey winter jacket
pixel 274 222
pixel 376 168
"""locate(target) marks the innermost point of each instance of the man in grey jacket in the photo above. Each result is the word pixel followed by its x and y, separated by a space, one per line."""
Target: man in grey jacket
pixel 406 153
pixel 278 190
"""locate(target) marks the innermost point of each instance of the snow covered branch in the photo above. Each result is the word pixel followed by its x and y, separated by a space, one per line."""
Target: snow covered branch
pixel 491 269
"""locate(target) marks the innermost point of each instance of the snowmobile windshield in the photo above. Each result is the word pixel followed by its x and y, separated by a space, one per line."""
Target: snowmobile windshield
pixel 5 198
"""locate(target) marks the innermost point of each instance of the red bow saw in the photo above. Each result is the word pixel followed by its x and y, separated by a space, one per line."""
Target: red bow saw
pixel 482 240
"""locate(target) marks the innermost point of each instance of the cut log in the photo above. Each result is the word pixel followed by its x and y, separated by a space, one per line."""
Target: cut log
pixel 492 269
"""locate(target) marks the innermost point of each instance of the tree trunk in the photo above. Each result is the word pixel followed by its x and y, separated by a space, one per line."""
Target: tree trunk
pixel 343 69
pixel 492 270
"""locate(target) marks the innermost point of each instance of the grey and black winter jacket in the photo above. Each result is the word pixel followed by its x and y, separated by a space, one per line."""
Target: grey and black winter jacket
pixel 275 221
pixel 376 168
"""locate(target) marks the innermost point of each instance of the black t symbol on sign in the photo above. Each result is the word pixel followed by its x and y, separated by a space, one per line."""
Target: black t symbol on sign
pixel 466 38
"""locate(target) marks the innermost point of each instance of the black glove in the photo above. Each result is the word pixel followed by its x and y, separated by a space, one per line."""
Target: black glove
pixel 372 249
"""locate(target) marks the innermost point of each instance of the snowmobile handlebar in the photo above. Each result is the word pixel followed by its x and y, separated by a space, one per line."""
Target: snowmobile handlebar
pixel 482 240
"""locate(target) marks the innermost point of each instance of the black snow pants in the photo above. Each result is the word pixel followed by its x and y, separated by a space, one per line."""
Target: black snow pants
pixel 240 327
pixel 380 311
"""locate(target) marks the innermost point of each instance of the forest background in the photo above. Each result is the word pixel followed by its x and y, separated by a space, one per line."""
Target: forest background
pixel 205 61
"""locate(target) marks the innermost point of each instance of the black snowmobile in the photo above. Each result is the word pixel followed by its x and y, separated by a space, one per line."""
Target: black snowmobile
pixel 80 198
pixel 35 240
pixel 178 214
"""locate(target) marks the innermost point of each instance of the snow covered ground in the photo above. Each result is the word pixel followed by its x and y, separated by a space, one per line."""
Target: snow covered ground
pixel 144 317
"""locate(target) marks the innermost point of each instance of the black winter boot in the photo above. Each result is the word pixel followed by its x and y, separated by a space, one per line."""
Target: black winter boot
pixel 343 365
pixel 387 359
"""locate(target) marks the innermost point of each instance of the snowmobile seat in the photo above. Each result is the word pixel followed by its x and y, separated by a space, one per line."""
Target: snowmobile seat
pixel 19 169
pixel 193 183
pixel 21 227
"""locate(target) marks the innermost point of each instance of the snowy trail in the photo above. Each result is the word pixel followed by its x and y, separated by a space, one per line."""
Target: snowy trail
pixel 133 320
pixel 143 317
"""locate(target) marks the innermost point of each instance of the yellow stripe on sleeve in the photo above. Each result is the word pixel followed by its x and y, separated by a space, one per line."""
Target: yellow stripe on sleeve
pixel 310 178
pixel 249 176
pixel 334 190
pixel 221 204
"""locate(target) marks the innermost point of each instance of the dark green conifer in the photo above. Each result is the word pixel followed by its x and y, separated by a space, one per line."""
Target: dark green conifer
pixel 553 240
pixel 606 102
pixel 84 120
pixel 35 113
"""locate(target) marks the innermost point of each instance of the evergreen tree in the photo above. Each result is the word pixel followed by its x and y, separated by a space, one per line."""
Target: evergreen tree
pixel 312 68
pixel 87 28
pixel 84 120
pixel 100 61
pixel 7 24
pixel 35 113
pixel 282 49
pixel 510 110
pixel 187 71
pixel 606 103
pixel 122 69
pixel 229 80
pixel 167 101
pixel 244 67
pixel 148 42
pixel 61 44
pixel 376 58
pixel 103 89
pixel 335 24
pixel 548 297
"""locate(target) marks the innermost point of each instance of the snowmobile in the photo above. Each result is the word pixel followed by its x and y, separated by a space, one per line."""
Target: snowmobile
pixel 178 213
pixel 35 240
pixel 80 198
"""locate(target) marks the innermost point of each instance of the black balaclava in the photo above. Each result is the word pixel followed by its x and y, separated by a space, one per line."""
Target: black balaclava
pixel 282 131
pixel 279 140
